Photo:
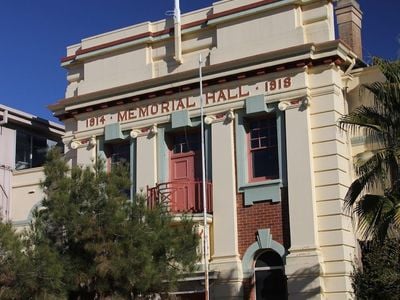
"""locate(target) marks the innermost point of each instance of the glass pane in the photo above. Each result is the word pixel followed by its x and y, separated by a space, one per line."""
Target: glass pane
pixel 264 132
pixel 51 144
pixel 39 150
pixel 120 154
pixel 185 148
pixel 194 145
pixel 176 149
pixel 263 123
pixel 254 144
pixel 253 124
pixel 264 142
pixel 186 142
pixel 265 163
pixel 23 151
pixel 255 133
pixel 193 142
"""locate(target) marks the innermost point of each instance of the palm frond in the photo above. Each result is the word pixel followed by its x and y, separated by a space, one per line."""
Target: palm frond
pixel 390 69
pixel 352 194
pixel 368 120
pixel 383 162
pixel 386 95
pixel 370 175
pixel 378 215
pixel 369 211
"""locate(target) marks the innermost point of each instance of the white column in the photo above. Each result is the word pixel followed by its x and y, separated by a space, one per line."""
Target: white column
pixel 146 162
pixel 303 265
pixel 7 163
pixel 225 257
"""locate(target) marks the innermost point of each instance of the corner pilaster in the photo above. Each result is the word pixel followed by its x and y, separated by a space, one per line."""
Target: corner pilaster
pixel 304 262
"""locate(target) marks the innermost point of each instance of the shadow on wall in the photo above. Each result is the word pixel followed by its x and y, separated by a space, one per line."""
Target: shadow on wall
pixel 305 282
pixel 220 289
pixel 300 285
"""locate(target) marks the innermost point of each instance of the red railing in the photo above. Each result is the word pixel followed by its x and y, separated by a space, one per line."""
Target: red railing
pixel 181 196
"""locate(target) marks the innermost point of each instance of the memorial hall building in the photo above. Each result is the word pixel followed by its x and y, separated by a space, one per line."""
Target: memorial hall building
pixel 275 78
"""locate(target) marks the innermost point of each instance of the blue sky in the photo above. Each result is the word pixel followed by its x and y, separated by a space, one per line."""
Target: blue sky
pixel 35 33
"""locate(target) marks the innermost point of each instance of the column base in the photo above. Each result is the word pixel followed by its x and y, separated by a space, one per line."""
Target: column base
pixel 229 282
pixel 304 269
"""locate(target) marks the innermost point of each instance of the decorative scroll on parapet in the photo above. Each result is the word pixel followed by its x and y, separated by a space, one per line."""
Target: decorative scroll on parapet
pixel 264 241
pixel 301 104
pixel 89 143
pixel 147 131
pixel 225 117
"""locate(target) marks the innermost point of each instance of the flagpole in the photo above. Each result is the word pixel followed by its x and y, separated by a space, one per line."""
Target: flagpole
pixel 177 32
pixel 203 167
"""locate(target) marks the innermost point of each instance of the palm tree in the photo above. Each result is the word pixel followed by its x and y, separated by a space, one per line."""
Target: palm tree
pixel 377 168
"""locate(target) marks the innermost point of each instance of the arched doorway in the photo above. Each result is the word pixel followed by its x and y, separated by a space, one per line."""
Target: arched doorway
pixel 269 276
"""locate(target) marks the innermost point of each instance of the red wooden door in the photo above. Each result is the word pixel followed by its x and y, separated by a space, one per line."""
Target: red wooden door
pixel 183 177
pixel 184 170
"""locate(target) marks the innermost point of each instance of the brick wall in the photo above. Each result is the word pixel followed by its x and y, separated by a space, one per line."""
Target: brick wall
pixel 274 216
pixel 262 215
pixel 350 34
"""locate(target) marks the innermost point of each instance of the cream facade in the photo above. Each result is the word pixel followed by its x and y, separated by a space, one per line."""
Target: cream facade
pixel 24 140
pixel 275 82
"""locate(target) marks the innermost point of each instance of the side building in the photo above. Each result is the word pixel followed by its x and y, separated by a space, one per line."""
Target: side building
pixel 274 82
pixel 24 141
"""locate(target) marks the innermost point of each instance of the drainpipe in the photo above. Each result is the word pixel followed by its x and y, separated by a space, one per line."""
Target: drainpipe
pixel 5 168
pixel 352 64
pixel 347 76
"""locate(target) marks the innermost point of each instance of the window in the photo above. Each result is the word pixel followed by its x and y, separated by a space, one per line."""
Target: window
pixel 263 157
pixel 270 277
pixel 183 143
pixel 118 153
pixel 31 150
pixel 260 154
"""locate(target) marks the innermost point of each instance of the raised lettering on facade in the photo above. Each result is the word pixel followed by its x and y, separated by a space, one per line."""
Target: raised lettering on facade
pixel 140 111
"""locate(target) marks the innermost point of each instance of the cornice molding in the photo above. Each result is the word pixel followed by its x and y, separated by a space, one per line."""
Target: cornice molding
pixel 293 58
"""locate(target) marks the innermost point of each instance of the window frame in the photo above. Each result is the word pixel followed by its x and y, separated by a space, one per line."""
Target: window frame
pixel 102 150
pixel 35 159
pixel 264 189
pixel 251 152
pixel 164 148
pixel 109 150
pixel 269 269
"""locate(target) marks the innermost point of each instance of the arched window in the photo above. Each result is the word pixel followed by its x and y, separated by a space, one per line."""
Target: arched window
pixel 270 276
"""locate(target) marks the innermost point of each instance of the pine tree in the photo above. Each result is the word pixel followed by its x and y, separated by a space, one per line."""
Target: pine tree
pixel 27 271
pixel 107 244
pixel 10 255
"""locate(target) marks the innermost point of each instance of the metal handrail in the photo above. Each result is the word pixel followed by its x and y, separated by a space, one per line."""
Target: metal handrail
pixel 166 192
